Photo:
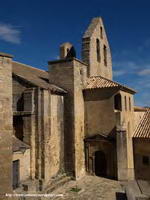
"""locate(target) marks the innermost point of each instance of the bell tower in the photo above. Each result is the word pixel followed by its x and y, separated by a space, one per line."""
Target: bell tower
pixel 96 51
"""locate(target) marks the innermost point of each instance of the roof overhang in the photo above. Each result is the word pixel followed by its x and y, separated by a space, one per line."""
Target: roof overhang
pixel 99 82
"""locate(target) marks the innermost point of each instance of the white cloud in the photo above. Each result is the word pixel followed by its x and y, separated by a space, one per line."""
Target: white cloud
pixel 124 68
pixel 144 72
pixel 143 99
pixel 130 67
pixel 126 65
pixel 9 34
pixel 119 73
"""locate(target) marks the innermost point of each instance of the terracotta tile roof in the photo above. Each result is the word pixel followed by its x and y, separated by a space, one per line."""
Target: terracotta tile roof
pixel 139 109
pixel 34 76
pixel 6 55
pixel 18 145
pixel 143 128
pixel 101 82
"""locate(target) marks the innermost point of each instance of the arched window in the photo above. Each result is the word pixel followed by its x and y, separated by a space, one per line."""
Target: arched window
pixel 125 102
pixel 98 49
pixel 117 102
pixel 101 32
pixel 105 55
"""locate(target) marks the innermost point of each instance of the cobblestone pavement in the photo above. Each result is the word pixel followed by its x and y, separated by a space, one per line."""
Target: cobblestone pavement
pixel 90 188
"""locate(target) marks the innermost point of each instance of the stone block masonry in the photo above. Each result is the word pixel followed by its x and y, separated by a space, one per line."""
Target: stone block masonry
pixel 5 123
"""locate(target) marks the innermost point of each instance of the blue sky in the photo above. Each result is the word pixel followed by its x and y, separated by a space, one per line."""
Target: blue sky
pixel 33 30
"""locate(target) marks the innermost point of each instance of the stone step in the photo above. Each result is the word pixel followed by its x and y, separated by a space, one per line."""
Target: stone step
pixel 144 186
pixel 57 178
pixel 133 191
pixel 57 183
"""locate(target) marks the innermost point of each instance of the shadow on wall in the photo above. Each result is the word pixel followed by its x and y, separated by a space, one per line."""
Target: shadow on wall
pixel 71 53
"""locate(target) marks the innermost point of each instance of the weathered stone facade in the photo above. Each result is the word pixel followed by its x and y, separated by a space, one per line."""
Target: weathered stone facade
pixel 96 51
pixel 141 143
pixel 68 74
pixel 73 119
pixel 5 123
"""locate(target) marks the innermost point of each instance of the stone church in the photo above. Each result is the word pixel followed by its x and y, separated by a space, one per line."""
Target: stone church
pixel 72 119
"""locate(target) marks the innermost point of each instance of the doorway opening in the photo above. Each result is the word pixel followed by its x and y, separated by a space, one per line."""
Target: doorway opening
pixel 16 174
pixel 100 164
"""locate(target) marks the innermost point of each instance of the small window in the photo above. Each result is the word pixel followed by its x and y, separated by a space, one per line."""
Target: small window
pixel 105 55
pixel 101 32
pixel 98 50
pixel 129 103
pixel 146 160
pixel 125 102
pixel 117 102
pixel 81 72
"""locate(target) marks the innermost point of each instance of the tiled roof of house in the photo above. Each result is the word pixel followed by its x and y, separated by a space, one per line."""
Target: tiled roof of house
pixel 143 128
pixel 6 55
pixel 139 109
pixel 101 82
pixel 34 76
pixel 18 145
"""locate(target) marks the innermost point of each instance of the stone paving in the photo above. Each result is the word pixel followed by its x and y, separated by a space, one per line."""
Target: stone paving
pixel 90 188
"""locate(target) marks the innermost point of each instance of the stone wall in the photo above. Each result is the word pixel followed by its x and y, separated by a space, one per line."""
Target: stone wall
pixel 99 112
pixel 70 74
pixel 61 74
pixel 53 124
pixel 141 150
pixel 125 119
pixel 24 159
pixel 24 101
pixel 42 115
pixel 80 72
pixel 5 123
pixel 102 118
pixel 142 158
pixel 109 150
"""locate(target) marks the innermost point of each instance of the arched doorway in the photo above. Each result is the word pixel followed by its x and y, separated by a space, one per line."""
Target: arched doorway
pixel 100 164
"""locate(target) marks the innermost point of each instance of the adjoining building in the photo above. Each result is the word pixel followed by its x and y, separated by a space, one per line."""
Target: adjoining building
pixel 72 119
pixel 141 144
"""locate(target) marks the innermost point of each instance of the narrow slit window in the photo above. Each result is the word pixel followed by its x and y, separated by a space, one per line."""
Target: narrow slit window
pixel 105 55
pixel 129 103
pixel 125 102
pixel 101 32
pixel 98 50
